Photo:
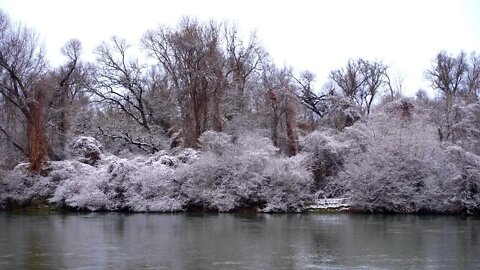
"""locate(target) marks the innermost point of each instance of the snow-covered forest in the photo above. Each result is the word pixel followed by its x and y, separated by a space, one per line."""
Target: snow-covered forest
pixel 195 117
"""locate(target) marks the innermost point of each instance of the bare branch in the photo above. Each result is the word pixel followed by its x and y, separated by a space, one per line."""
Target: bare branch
pixel 14 143
pixel 126 137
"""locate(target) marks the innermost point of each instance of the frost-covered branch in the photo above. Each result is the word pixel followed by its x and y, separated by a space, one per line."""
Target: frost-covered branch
pixel 126 137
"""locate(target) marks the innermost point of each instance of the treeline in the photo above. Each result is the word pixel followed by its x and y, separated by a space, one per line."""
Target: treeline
pixel 180 82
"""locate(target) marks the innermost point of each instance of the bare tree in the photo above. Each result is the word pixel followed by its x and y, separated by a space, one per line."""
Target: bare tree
pixel 455 77
pixel 305 92
pixel 395 84
pixel 119 79
pixel 242 61
pixel 69 80
pixel 281 100
pixel 350 79
pixel 361 81
pixel 473 77
pixel 192 60
pixel 374 77
pixel 22 82
pixel 447 74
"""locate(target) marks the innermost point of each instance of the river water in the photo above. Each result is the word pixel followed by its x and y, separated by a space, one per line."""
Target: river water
pixel 238 241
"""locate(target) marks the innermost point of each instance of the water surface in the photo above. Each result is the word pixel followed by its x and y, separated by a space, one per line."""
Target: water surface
pixel 238 241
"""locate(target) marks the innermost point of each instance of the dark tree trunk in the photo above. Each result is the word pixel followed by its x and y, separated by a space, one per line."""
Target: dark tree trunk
pixel 63 121
pixel 291 129
pixel 275 117
pixel 37 142
pixel 217 120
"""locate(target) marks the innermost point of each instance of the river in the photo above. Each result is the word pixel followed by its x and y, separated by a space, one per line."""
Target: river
pixel 238 241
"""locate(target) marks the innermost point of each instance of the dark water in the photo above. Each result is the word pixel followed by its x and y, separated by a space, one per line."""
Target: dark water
pixel 234 241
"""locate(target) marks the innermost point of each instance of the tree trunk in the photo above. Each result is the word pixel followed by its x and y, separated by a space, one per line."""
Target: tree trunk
pixel 36 131
pixel 204 109
pixel 37 143
pixel 197 123
pixel 188 125
pixel 291 125
pixel 63 121
pixel 217 120
pixel 275 117
pixel 275 129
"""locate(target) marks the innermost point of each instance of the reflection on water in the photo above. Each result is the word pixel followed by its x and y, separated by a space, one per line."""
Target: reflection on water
pixel 235 241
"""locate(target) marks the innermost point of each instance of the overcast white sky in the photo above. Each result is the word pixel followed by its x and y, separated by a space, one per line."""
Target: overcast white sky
pixel 314 35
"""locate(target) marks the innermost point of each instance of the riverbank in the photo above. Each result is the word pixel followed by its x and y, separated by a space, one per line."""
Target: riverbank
pixel 43 206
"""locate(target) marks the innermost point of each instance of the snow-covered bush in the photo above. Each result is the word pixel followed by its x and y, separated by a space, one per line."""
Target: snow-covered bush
pixel 466 127
pixel 404 167
pixel 342 112
pixel 288 185
pixel 87 149
pixel 395 161
pixel 466 186
pixel 392 181
pixel 138 185
pixel 327 150
pixel 230 173
pixel 325 156
pixel 217 143
pixel 244 172
pixel 20 186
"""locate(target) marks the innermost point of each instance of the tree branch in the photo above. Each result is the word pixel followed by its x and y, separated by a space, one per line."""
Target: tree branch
pixel 13 141
pixel 150 148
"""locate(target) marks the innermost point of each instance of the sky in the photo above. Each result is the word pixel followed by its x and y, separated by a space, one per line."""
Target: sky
pixel 318 36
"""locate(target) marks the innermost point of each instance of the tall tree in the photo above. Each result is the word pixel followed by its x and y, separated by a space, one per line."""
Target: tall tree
pixel 447 74
pixel 23 68
pixel 191 58
pixel 69 79
pixel 456 77
pixel 473 77
pixel 350 79
pixel 374 77
pixel 281 101
pixel 242 61
pixel 119 79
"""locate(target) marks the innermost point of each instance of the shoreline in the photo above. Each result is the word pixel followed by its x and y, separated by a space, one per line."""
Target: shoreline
pixel 42 206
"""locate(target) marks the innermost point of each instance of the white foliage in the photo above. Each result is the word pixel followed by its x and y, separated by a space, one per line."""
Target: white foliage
pixel 245 172
pixel 466 186
pixel 289 185
pixel 342 112
pixel 229 174
pixel 404 168
pixel 118 184
pixel 21 186
pixel 327 150
pixel 86 149
pixel 466 130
